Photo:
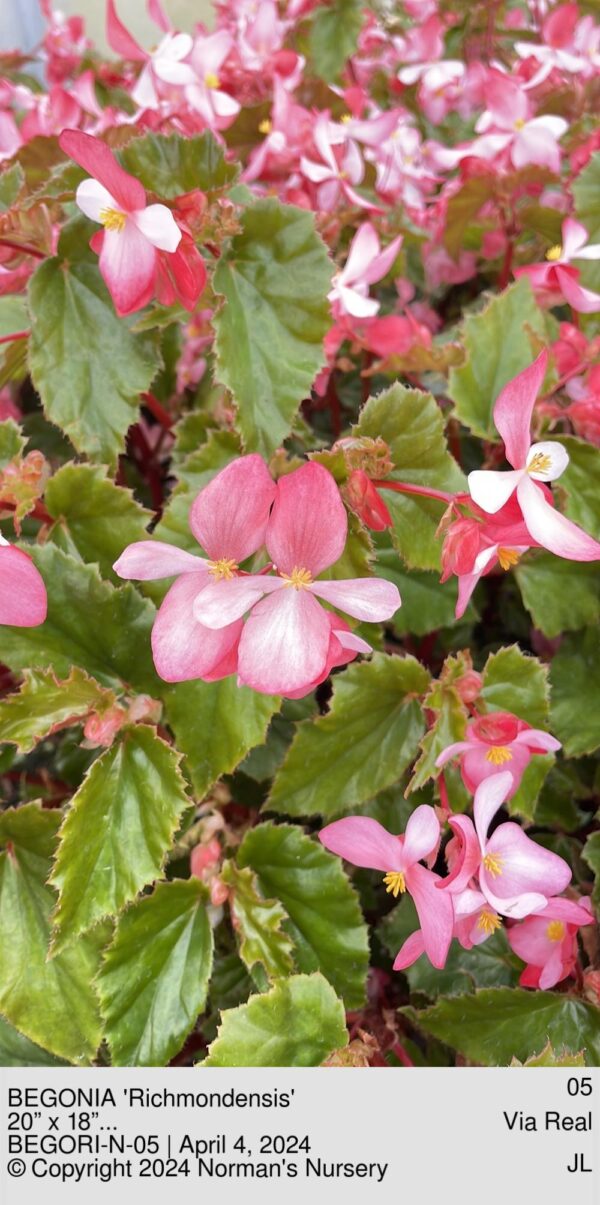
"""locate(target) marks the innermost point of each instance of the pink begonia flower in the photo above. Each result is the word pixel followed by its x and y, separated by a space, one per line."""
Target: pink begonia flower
pixel 475 544
pixel 547 941
pixel 508 124
pixel 364 842
pixel 340 170
pixel 366 264
pixel 285 643
pixel 556 280
pixel 516 875
pixel 474 922
pixel 163 66
pixel 142 249
pixel 23 598
pixel 420 47
pixel 228 518
pixel 570 44
pixel 497 743
pixel 532 464
pixel 217 108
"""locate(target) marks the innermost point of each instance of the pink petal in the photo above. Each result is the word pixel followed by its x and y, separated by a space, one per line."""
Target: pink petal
pixel 554 970
pixel 582 300
pixel 23 599
pixel 491 490
pixel 476 768
pixel 466 585
pixel 469 856
pixel 149 559
pixel 128 265
pixel 182 648
pixel 285 643
pixel 229 516
pixel 568 911
pixel 514 407
pixel 369 598
pixel 383 262
pixel 363 249
pixel 489 796
pixel 536 145
pixel 224 601
pixel 574 237
pixel 158 225
pixel 553 530
pixel 452 751
pixel 349 640
pixel 308 524
pixel 537 741
pixel 119 38
pixel 435 911
pixel 364 842
pixel 515 907
pixel 96 158
pixel 158 15
pixel 421 836
pixel 408 953
pixel 525 865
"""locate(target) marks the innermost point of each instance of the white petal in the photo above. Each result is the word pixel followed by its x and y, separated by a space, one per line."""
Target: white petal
pixel 93 197
pixel 491 490
pixel 158 225
pixel 552 452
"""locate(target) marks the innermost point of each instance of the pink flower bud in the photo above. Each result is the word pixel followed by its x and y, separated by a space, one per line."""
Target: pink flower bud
pixel 367 502
pixel 204 856
pixel 100 730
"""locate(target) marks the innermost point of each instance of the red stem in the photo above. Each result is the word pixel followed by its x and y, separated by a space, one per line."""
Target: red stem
pixel 13 338
pixel 24 248
pixel 160 414
pixel 402 487
pixel 38 512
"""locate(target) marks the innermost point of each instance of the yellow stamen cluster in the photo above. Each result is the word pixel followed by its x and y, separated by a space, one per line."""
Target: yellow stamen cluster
pixel 211 80
pixel 508 557
pixel 519 123
pixel 112 219
pixel 489 921
pixel 493 864
pixel 554 253
pixel 394 883
pixel 555 930
pixel 498 755
pixel 265 126
pixel 298 578
pixel 345 118
pixel 540 463
pixel 222 570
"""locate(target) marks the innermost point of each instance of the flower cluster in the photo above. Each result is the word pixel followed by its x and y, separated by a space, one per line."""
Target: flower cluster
pixel 288 642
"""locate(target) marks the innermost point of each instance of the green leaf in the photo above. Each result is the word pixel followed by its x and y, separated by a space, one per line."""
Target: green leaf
pixel 499 345
pixel 412 425
pixel 334 36
pixel 12 442
pixel 325 920
pixel 51 1002
pixel 591 853
pixel 104 630
pixel 95 519
pixel 298 1023
pixel 44 704
pixel 258 924
pixel 561 596
pixel 170 165
pixel 575 678
pixel 195 471
pixel 586 190
pixel 514 682
pixel 462 208
pixel 215 724
pixel 13 315
pixel 499 1024
pixel 427 604
pixel 579 483
pixel 363 744
pixel 548 1058
pixel 11 182
pixel 448 726
pixel 270 330
pixel 154 978
pixel 17 1051
pixel 524 801
pixel 117 832
pixel 87 367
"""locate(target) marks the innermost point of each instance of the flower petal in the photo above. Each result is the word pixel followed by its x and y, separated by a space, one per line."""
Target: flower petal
pixel 514 407
pixel 308 525
pixel 23 599
pixel 435 911
pixel 491 490
pixel 368 598
pixel 92 197
pixel 574 237
pixel 584 301
pixel 224 601
pixel 408 953
pixel 182 648
pixel 524 865
pixel 469 855
pixel 553 530
pixel 285 642
pixel 489 796
pixel 538 741
pixel 452 751
pixel 554 456
pixel 146 560
pixel 96 158
pixel 128 264
pixel 421 836
pixel 158 225
pixel 229 516
pixel 364 842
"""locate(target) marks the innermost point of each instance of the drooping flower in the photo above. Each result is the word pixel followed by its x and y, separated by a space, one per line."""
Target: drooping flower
pixel 364 842
pixel 533 465
pixel 515 874
pixel 556 280
pixel 142 250
pixel 498 743
pixel 23 598
pixel 547 941
pixel 285 643
pixel 366 264
pixel 228 518
pixel 476 543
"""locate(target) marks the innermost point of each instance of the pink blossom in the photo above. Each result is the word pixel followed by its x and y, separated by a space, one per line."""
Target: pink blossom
pixel 366 263
pixel 228 518
pixel 142 250
pixel 339 169
pixel 164 67
pixel 557 280
pixel 498 743
pixel 508 124
pixel 515 874
pixel 533 464
pixel 547 941
pixel 23 599
pixel 206 95
pixel 364 842
pixel 476 543
pixel 285 643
